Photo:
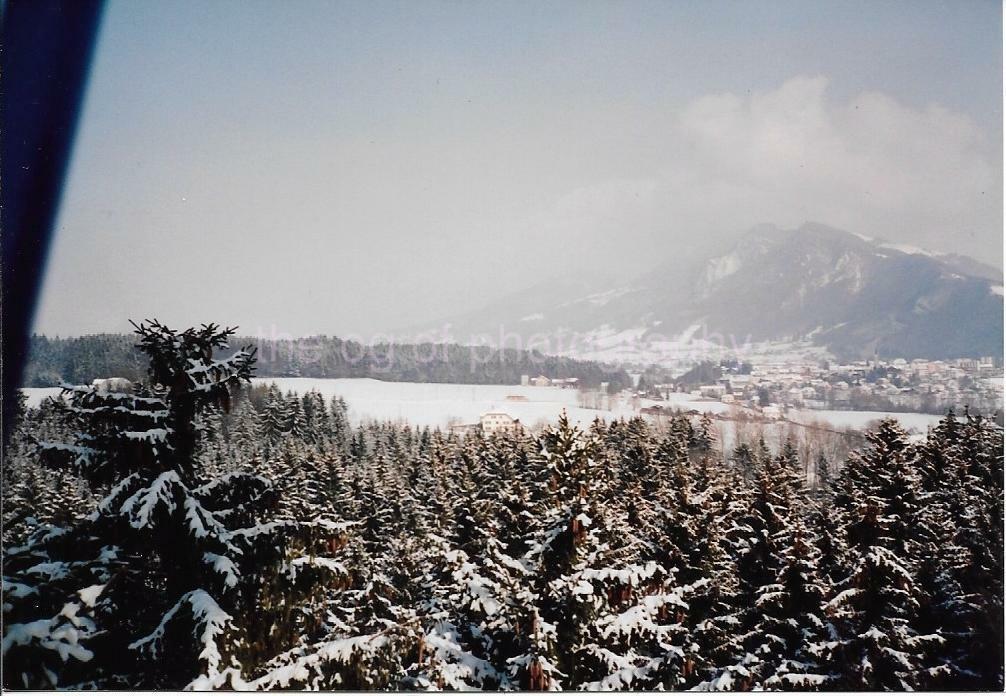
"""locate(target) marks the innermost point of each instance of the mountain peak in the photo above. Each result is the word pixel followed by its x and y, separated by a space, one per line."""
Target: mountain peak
pixel 851 294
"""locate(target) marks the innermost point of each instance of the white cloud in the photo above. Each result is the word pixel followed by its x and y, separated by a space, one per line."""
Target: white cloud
pixel 870 165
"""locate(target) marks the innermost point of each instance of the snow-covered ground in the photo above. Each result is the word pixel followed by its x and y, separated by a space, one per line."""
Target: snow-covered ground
pixel 731 418
pixel 36 395
pixel 646 345
pixel 914 423
pixel 440 405
pixel 689 402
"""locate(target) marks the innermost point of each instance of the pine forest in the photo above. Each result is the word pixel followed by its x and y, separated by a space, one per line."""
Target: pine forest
pixel 191 532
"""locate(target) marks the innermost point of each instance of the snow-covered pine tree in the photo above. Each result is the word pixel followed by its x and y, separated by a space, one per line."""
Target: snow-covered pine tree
pixel 164 584
pixel 472 616
pixel 822 473
pixel 793 624
pixel 612 619
pixel 550 624
pixel 33 494
pixel 744 460
pixel 704 436
pixel 755 541
pixel 874 611
pixel 681 432
pixel 246 436
pixel 295 421
pixel 339 421
pixel 830 541
pixel 272 422
pixel 316 417
pixel 876 608
pixel 962 470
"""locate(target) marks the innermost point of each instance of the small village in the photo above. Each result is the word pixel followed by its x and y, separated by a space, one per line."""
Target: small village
pixel 899 385
pixel 770 391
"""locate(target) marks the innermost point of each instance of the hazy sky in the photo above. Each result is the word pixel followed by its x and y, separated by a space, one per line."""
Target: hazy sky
pixel 339 167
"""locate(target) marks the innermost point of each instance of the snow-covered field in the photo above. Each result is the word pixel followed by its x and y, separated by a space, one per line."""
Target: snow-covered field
pixel 440 405
pixel 798 422
pixel 914 423
pixel 36 395
pixel 646 346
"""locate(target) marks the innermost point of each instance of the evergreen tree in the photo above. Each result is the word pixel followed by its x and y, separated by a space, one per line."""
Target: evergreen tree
pixel 273 417
pixel 877 607
pixel 163 584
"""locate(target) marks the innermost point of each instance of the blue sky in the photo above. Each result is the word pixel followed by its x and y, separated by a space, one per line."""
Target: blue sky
pixel 359 166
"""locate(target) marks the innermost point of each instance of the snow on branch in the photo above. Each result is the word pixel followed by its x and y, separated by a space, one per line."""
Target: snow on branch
pixel 304 666
pixel 210 621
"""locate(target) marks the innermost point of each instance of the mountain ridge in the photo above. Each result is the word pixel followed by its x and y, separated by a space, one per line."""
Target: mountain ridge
pixel 853 295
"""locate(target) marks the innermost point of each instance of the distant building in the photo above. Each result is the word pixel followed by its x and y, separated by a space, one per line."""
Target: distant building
pixel 712 391
pixel 497 422
pixel 655 414
pixel 525 380
pixel 112 385
pixel 772 411
pixel 541 381
pixel 463 428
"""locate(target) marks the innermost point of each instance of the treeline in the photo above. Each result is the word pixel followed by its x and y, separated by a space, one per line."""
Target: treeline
pixel 53 361
pixel 706 372
pixel 275 546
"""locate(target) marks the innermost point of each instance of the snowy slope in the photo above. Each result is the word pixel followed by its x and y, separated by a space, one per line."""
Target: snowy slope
pixel 846 293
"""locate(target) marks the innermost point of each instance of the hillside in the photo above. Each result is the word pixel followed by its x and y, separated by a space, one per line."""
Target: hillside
pixel 81 359
pixel 855 296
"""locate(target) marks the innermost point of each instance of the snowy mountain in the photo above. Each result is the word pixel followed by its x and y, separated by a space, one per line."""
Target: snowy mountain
pixel 853 295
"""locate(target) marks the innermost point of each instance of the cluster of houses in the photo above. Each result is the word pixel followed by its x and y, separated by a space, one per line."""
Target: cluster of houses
pixel 772 388
pixel 543 381
pixel 908 385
